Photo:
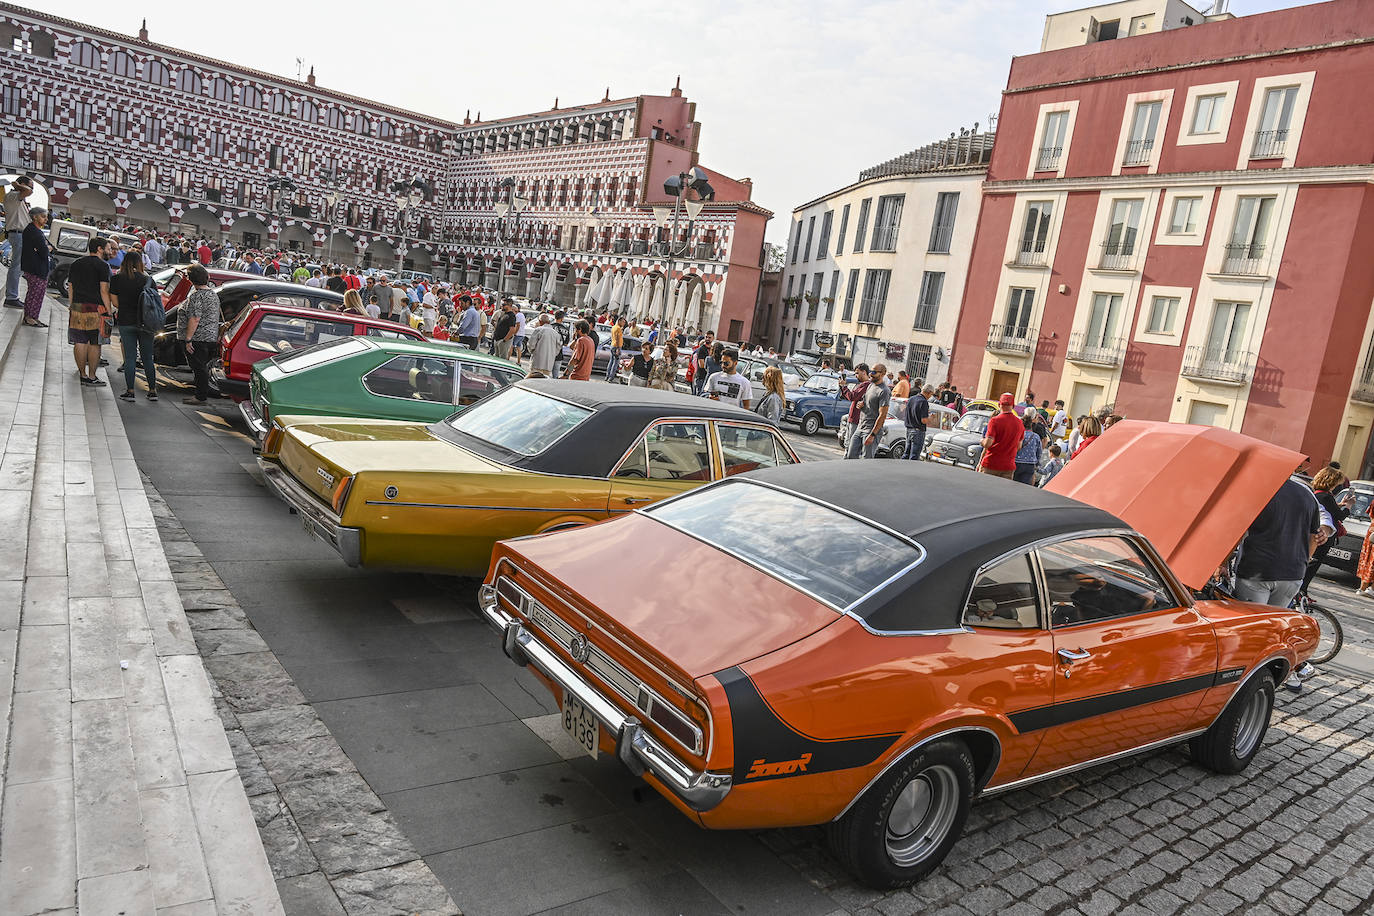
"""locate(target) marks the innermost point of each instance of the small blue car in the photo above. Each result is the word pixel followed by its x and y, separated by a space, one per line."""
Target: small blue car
pixel 818 403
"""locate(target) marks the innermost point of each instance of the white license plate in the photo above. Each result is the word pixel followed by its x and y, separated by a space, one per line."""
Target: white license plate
pixel 1339 554
pixel 580 724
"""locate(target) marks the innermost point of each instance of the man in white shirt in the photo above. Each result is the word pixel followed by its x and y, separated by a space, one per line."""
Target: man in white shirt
pixel 152 250
pixel 728 384
pixel 372 308
pixel 1060 426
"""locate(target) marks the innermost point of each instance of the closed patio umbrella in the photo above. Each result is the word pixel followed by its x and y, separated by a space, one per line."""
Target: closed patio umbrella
pixel 693 317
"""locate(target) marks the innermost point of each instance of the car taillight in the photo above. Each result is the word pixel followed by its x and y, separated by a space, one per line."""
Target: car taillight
pixel 688 731
pixel 341 493
pixel 271 446
pixel 226 363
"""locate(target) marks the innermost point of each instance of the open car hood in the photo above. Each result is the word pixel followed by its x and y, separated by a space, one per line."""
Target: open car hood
pixel 1192 490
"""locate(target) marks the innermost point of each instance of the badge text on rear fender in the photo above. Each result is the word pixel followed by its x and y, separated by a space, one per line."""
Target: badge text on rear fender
pixel 781 768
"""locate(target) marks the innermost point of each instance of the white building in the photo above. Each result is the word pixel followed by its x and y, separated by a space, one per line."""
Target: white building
pixel 1126 19
pixel 880 265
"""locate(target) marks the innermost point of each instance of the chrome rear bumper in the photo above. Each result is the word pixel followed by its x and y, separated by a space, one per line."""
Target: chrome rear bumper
pixel 317 520
pixel 636 748
pixel 253 419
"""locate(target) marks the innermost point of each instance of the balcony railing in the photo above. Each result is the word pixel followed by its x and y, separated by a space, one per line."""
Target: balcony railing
pixel 1012 338
pixel 940 238
pixel 1116 256
pixel 639 246
pixel 925 317
pixel 1096 349
pixel 1243 260
pixel 1232 367
pixel 1030 258
pixel 885 238
pixel 703 251
pixel 1138 152
pixel 1269 144
pixel 1048 160
pixel 620 246
pixel 1364 383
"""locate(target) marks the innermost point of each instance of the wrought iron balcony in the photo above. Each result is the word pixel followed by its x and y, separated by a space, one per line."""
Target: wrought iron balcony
pixel 1138 152
pixel 1218 364
pixel 1117 256
pixel 1243 261
pixel 620 246
pixel 1030 258
pixel 1048 160
pixel 1012 338
pixel 703 251
pixel 1269 144
pixel 1095 349
pixel 639 246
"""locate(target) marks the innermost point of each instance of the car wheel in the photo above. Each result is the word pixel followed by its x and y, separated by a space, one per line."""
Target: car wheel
pixel 897 449
pixel 907 822
pixel 58 280
pixel 811 424
pixel 1235 737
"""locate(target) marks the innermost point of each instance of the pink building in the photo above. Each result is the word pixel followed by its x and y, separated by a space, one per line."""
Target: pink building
pixel 1179 222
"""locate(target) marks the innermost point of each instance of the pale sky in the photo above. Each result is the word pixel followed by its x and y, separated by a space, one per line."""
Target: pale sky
pixel 797 96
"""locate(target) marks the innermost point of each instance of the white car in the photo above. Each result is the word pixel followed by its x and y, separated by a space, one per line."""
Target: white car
pixel 892 443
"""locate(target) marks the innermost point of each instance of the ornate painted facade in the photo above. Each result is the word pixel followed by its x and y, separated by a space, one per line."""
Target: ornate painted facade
pixel 120 127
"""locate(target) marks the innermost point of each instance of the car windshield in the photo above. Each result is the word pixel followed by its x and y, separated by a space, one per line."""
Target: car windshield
pixel 1359 509
pixel 162 277
pixel 519 420
pixel 822 384
pixel 319 353
pixel 973 422
pixel 833 557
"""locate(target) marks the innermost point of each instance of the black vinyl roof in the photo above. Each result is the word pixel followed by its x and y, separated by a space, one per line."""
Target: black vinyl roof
pixel 961 519
pixel 619 415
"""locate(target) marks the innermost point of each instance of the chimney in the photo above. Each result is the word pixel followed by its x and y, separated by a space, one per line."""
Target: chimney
pixel 479 118
pixel 607 96
pixel 467 117
pixel 310 78
pixel 143 31
pixel 555 103
pixel 677 89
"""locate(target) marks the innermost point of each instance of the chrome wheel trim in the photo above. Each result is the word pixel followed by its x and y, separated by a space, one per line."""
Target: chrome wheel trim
pixel 1251 724
pixel 921 816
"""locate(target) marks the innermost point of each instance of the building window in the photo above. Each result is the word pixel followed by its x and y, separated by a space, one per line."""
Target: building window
pixel 1163 311
pixel 335 119
pixel 189 81
pixel 1207 113
pixel 81 115
pixel 810 232
pixel 122 64
pixel 221 90
pixel 85 55
pixel 119 122
pixel 928 306
pixel 1052 141
pixel 252 97
pixel 850 293
pixel 790 281
pixel 1144 125
pixel 274 157
pixel 245 194
pixel 918 362
pixel 888 222
pixel 1020 303
pixel 942 230
pixel 361 125
pixel 148 177
pixel 1226 339
pixel 830 299
pixel 796 238
pixel 42 157
pixel 1183 219
pixel 44 107
pixel 1102 319
pixel 181 181
pixel 1250 231
pixel 214 143
pixel 155 72
pixel 186 139
pixel 844 226
pixel 823 244
pixel 247 151
pixel 281 105
pixel 152 131
pixel 814 298
pixel 875 296
pixel 1122 230
pixel 43 45
pixel 13 105
pixel 862 229
pixel 1035 234
pixel 310 112
pixel 385 130
pixel 1271 139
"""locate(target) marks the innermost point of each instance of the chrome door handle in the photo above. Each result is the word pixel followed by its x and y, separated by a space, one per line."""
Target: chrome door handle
pixel 1069 656
pixel 632 500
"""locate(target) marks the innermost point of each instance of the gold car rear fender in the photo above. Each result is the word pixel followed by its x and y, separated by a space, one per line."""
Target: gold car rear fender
pixel 564 522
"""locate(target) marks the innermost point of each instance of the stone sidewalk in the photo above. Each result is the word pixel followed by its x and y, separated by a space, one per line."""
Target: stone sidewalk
pixel 120 792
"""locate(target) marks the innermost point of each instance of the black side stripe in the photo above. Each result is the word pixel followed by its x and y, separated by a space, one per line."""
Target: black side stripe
pixel 766 747
pixel 1063 713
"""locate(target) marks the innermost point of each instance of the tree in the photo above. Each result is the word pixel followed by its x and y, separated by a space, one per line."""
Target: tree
pixel 773 257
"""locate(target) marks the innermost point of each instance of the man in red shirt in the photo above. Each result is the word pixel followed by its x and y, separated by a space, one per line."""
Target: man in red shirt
pixel 1002 441
pixel 205 253
pixel 583 353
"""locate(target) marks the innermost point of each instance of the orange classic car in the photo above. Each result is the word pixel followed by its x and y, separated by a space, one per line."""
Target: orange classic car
pixel 884 644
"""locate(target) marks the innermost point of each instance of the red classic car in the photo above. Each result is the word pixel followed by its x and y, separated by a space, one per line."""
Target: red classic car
pixel 882 646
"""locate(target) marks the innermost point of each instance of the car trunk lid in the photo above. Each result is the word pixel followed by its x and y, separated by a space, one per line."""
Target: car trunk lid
pixel 1192 490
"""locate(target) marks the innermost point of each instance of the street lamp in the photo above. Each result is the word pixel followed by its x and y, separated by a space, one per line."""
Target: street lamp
pixel 279 200
pixel 507 230
pixel 408 197
pixel 688 189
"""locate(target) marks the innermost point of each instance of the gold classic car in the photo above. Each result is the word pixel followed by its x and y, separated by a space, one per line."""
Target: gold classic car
pixel 540 456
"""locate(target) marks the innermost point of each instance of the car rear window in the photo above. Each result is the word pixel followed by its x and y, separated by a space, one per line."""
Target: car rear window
pixel 319 354
pixel 836 558
pixel 520 421
pixel 284 333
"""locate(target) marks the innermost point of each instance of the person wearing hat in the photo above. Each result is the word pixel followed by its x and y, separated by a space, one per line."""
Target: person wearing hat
pixel 1002 440
pixel 16 221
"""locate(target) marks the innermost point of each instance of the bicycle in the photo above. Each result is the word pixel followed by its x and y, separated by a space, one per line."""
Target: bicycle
pixel 1332 633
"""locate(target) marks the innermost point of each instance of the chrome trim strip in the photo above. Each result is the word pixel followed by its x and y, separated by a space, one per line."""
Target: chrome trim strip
pixel 992 766
pixel 638 750
pixel 1075 767
pixel 319 520
pixel 390 502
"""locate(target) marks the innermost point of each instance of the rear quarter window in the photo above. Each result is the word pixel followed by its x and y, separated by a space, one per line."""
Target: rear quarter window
pixel 284 333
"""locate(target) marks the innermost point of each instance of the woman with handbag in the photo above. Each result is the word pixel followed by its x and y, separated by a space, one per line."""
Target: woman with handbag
pixel 135 341
pixel 663 372
pixel 36 264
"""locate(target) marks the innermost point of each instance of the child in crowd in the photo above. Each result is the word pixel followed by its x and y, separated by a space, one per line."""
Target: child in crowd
pixel 1053 465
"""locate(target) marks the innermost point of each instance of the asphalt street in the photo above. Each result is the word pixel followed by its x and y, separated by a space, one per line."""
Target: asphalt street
pixel 466 752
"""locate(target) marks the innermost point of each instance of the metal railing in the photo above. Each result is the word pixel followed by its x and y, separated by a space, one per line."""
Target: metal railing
pixel 639 246
pixel 884 238
pixel 1364 383
pixel 1030 258
pixel 703 251
pixel 1048 160
pixel 620 246
pixel 941 237
pixel 1095 349
pixel 925 317
pixel 1218 364
pixel 1269 144
pixel 1117 256
pixel 1243 260
pixel 1138 152
pixel 1011 338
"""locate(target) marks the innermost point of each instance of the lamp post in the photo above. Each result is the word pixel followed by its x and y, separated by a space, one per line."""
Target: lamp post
pixel 331 199
pixel 279 200
pixel 507 230
pixel 409 194
pixel 692 190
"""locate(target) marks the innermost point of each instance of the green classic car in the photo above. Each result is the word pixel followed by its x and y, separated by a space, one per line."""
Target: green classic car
pixel 375 378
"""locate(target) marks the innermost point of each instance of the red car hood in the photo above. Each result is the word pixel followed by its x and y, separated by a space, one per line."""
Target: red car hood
pixel 1192 490
pixel 688 605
